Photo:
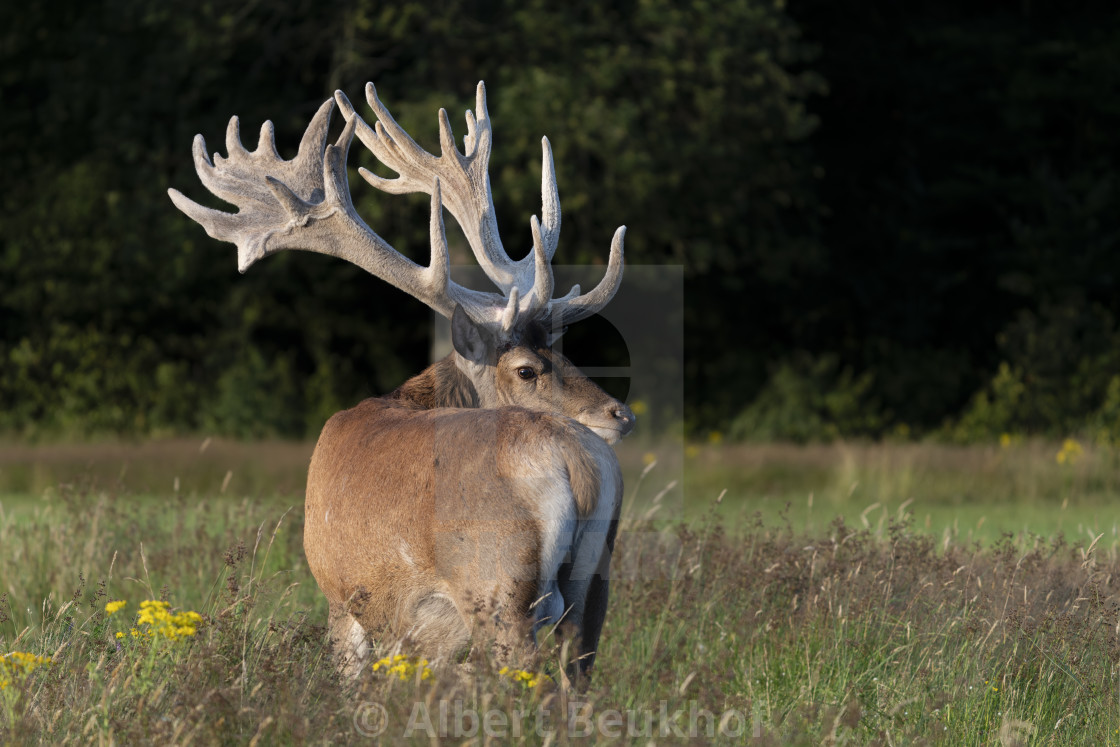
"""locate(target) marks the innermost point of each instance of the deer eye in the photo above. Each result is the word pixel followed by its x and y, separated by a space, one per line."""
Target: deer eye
pixel 526 373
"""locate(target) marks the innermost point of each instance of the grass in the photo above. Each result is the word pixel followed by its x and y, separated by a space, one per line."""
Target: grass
pixel 777 626
pixel 959 493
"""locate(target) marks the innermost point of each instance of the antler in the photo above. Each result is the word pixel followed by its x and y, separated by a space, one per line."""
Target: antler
pixel 466 184
pixel 305 204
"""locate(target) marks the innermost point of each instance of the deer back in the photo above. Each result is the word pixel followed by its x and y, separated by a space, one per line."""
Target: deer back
pixel 403 504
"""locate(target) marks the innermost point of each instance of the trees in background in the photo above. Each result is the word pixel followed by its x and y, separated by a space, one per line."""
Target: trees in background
pixel 896 214
pixel 973 215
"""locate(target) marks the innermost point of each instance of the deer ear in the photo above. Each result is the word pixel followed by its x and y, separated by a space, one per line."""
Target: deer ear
pixel 466 337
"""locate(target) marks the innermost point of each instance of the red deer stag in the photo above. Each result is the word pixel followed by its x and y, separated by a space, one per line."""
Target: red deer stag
pixel 425 514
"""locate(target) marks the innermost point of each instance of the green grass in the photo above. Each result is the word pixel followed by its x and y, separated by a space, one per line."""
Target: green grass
pixel 957 494
pixel 792 625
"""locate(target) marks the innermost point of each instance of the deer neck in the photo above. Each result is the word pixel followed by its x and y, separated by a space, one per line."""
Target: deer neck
pixel 441 384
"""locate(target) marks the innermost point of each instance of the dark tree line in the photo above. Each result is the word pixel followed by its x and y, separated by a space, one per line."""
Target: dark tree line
pixel 973 216
pixel 892 217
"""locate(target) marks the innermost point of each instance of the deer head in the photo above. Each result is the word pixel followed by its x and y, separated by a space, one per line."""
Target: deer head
pixel 502 340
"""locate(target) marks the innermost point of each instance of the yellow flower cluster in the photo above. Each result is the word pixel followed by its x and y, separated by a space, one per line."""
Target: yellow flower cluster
pixel 18 665
pixel 1071 451
pixel 159 621
pixel 404 667
pixel 529 679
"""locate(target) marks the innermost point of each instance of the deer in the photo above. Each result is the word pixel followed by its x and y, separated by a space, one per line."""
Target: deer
pixel 482 496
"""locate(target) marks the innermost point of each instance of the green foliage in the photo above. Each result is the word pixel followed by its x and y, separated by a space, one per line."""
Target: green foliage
pixel 256 397
pixel 994 411
pixel 1057 377
pixel 810 399
pixel 1106 421
pixel 916 192
pixel 120 316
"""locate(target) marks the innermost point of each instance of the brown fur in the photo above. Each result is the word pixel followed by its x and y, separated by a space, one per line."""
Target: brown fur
pixel 583 472
pixel 449 487
pixel 425 518
pixel 441 384
pixel 558 387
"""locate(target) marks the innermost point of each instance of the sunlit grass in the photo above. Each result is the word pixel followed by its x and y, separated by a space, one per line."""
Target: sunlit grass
pixel 973 493
pixel 964 494
pixel 790 626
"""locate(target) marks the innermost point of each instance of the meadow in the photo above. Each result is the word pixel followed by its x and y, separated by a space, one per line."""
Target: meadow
pixel 836 594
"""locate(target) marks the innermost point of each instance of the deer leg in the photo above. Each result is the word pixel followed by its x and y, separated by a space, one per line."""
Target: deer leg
pixel 439 626
pixel 586 586
pixel 511 628
pixel 502 622
pixel 348 640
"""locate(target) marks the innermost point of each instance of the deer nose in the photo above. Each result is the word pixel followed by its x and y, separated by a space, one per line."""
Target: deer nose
pixel 625 418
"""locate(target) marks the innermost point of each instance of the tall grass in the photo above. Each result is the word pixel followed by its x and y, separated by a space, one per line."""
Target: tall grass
pixel 759 634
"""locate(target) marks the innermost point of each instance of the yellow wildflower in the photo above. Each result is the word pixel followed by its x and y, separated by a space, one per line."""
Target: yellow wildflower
pixel 18 665
pixel 159 621
pixel 115 607
pixel 528 679
pixel 404 667
pixel 1070 452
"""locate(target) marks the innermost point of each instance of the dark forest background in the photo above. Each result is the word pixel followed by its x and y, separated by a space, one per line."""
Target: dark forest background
pixel 895 219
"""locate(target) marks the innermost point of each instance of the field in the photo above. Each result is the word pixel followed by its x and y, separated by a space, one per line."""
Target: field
pixel 848 594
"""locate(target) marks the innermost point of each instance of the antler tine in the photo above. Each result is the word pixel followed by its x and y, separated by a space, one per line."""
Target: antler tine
pixel 543 281
pixel 233 137
pixel 218 225
pixel 266 143
pixel 439 268
pixel 550 200
pixel 511 313
pixel 470 140
pixel 397 134
pixel 206 170
pixel 482 307
pixel 568 311
pixel 335 181
pixel 446 139
pixel 485 135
